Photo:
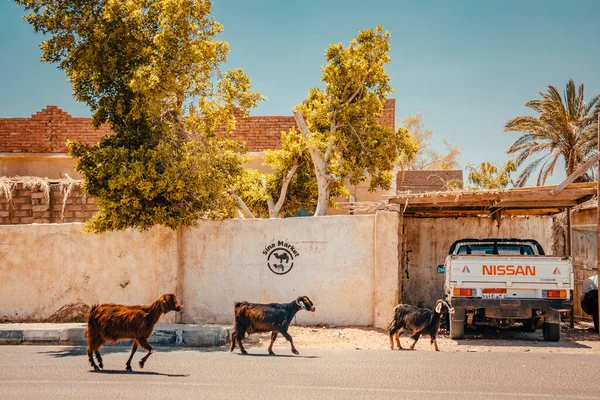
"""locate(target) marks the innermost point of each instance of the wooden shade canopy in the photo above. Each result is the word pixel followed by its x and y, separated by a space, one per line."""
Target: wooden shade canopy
pixel 538 200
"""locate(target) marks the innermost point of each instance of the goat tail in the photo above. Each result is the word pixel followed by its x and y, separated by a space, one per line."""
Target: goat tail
pixel 240 303
pixel 392 327
pixel 92 325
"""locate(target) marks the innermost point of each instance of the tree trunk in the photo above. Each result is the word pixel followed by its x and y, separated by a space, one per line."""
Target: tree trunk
pixel 320 164
pixel 243 207
pixel 275 208
pixel 323 199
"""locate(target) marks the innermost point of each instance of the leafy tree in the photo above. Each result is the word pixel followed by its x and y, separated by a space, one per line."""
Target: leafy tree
pixel 566 127
pixel 490 176
pixel 292 182
pixel 152 70
pixel 427 158
pixel 339 122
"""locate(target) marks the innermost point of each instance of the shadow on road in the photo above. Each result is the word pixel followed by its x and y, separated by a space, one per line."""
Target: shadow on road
pixel 515 337
pixel 76 351
pixel 123 372
pixel 274 356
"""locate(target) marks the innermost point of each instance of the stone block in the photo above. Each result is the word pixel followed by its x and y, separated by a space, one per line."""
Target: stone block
pixel 39 336
pixel 11 336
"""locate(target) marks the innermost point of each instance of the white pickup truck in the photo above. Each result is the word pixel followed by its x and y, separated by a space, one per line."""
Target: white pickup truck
pixel 501 282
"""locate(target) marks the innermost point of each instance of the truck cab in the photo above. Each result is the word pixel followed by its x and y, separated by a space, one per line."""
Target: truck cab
pixel 504 282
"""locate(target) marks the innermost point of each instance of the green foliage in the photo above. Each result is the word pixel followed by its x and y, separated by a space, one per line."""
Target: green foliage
pixel 489 176
pixel 345 113
pixel 426 157
pixel 250 186
pixel 163 184
pixel 151 69
pixel 566 127
pixel 256 188
pixel 343 130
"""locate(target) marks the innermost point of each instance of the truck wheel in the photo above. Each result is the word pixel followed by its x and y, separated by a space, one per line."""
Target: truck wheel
pixel 551 332
pixel 457 324
pixel 595 316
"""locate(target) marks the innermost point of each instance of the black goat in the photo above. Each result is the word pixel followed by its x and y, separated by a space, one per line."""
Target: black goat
pixel 274 318
pixel 417 320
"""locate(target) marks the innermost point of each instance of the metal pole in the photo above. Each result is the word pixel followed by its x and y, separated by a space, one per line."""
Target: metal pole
pixel 598 210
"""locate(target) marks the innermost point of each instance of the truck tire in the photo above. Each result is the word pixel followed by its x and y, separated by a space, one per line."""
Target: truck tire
pixel 595 316
pixel 551 332
pixel 457 324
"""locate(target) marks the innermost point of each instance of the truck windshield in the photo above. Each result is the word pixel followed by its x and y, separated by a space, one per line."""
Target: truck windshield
pixel 500 249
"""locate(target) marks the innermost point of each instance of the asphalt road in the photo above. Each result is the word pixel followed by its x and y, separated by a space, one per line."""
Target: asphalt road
pixel 40 372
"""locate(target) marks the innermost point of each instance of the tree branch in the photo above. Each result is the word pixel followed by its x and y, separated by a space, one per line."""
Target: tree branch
pixel 301 124
pixel 328 151
pixel 284 187
pixel 356 93
pixel 245 210
pixel 358 137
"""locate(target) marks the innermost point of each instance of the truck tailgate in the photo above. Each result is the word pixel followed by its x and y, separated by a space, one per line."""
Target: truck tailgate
pixel 538 272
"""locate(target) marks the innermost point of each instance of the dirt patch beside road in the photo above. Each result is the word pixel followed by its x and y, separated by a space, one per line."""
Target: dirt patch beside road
pixel 579 340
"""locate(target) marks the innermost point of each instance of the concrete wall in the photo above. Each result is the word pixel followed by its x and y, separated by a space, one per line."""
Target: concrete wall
pixel 335 266
pixel 45 267
pixel 428 241
pixel 346 265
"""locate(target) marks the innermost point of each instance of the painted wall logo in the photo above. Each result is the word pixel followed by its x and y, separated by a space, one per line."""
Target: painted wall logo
pixel 280 257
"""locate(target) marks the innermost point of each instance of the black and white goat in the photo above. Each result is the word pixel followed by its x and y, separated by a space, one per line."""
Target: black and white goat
pixel 417 320
pixel 273 317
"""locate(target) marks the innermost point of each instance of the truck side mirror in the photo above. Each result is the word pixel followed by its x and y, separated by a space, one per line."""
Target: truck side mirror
pixel 441 269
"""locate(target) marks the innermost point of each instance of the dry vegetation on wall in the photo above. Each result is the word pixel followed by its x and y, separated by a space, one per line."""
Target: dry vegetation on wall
pixel 27 199
pixel 6 188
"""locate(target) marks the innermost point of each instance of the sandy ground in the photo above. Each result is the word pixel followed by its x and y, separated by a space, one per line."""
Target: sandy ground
pixel 581 340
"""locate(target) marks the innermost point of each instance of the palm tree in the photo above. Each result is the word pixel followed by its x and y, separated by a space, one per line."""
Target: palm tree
pixel 565 127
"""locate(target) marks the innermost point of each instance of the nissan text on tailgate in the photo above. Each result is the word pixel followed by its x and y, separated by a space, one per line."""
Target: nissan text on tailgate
pixel 502 282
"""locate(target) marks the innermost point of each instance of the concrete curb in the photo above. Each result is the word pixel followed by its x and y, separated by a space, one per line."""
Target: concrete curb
pixel 169 335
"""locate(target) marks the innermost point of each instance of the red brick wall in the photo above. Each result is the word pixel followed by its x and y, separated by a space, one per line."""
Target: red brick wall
pixel 48 130
pixel 30 206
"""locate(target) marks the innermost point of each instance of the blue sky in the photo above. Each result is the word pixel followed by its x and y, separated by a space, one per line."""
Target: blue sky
pixel 469 66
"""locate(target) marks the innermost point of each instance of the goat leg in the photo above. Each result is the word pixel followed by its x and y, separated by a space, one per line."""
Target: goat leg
pixel 416 338
pixel 434 341
pixel 134 347
pixel 289 338
pixel 239 338
pixel 233 339
pixel 273 337
pixel 144 343
pixel 239 335
pixel 91 358
pixel 398 339
pixel 99 358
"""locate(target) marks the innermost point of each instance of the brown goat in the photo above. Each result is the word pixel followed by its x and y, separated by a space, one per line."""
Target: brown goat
pixel 113 322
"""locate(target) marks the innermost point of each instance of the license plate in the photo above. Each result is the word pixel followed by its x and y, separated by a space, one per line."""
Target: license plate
pixel 493 295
